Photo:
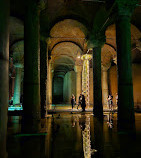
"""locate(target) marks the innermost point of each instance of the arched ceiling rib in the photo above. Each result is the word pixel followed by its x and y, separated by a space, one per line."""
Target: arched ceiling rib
pixel 108 54
pixel 66 48
pixel 68 30
pixel 65 42
pixel 135 40
pixel 111 35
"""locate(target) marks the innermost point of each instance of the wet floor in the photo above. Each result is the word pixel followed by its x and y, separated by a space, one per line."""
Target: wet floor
pixel 77 135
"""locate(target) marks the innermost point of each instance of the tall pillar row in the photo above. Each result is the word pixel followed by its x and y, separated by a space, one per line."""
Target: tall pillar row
pixel 4 76
pixel 126 118
pixel 78 70
pixel 31 90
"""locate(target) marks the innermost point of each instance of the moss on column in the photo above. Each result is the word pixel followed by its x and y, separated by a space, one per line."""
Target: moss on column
pixel 126 118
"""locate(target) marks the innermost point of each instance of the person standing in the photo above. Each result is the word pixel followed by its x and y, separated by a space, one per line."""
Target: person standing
pixel 72 101
pixel 110 102
pixel 117 99
pixel 80 100
pixel 83 105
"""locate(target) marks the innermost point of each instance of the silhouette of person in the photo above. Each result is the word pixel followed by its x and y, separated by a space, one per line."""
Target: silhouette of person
pixel 110 102
pixel 83 105
pixel 116 99
pixel 72 101
pixel 80 100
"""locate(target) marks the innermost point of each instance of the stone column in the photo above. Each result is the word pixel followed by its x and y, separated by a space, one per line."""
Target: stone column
pixel 50 84
pixel 104 79
pixel 17 86
pixel 97 44
pixel 31 95
pixel 97 91
pixel 4 73
pixel 85 76
pixel 47 71
pixel 78 70
pixel 18 61
pixel 126 118
pixel 43 76
pixel 104 88
pixel 13 85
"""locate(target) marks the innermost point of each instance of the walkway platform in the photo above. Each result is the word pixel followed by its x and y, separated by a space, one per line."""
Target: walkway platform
pixel 67 108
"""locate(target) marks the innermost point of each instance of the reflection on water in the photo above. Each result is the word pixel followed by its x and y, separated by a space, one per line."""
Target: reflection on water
pixel 84 122
pixel 110 119
pixel 69 135
pixel 86 138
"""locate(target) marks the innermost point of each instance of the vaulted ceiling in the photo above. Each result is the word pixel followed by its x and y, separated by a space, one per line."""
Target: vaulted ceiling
pixel 68 24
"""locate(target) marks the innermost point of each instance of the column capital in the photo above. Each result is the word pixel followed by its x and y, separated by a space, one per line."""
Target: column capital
pixel 126 7
pixel 18 59
pixel 105 67
pixel 97 40
pixel 41 4
pixel 86 57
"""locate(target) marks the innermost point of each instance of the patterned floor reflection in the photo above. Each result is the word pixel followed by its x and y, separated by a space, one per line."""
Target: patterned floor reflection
pixel 73 135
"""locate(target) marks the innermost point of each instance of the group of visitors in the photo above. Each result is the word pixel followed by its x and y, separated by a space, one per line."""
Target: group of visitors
pixel 83 103
pixel 80 102
pixel 110 101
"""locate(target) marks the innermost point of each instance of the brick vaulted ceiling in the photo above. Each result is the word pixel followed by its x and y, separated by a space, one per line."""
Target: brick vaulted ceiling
pixel 68 23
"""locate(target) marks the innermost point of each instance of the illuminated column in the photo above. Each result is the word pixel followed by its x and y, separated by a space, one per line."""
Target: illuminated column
pixel 78 70
pixel 4 73
pixel 31 90
pixel 47 73
pixel 85 76
pixel 17 86
pixel 50 76
pixel 104 88
pixel 104 79
pixel 51 82
pixel 48 84
pixel 126 118
pixel 18 62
